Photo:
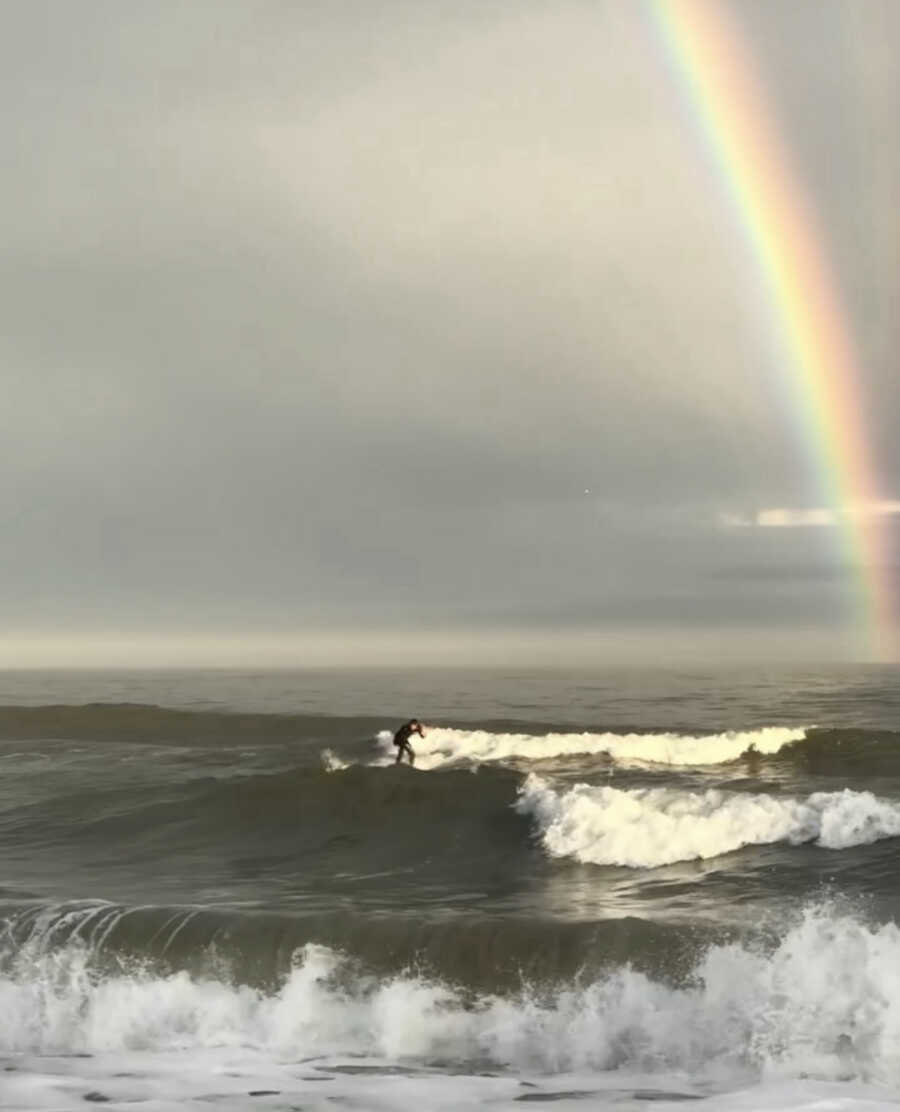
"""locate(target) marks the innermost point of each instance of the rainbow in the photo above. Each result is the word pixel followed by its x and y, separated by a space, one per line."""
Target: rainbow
pixel 820 365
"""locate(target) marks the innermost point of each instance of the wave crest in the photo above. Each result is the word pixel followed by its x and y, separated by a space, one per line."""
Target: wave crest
pixel 647 827
pixel 443 746
pixel 823 1003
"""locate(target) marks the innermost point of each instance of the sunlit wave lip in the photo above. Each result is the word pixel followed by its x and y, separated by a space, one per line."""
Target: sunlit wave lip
pixel 443 746
pixel 649 827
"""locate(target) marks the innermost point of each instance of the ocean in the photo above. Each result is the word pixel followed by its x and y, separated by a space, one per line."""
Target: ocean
pixel 598 889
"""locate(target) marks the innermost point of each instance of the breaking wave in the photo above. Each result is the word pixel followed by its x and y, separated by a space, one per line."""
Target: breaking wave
pixel 646 827
pixel 824 1003
pixel 442 746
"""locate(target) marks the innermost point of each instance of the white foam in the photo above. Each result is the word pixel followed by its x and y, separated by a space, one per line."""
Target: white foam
pixel 222 1080
pixel 442 746
pixel 825 1005
pixel 646 827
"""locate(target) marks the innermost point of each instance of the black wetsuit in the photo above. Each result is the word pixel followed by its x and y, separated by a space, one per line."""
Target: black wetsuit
pixel 401 740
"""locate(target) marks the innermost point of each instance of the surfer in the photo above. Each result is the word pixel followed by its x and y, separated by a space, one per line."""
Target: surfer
pixel 402 736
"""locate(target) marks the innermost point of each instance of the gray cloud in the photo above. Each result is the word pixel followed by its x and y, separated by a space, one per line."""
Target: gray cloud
pixel 332 313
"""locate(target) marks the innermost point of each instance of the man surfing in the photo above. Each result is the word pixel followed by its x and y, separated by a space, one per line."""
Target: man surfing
pixel 402 736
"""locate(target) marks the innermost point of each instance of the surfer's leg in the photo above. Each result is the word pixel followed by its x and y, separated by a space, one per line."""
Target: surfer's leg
pixel 412 756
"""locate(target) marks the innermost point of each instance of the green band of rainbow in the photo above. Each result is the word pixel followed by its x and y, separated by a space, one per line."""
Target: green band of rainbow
pixel 820 367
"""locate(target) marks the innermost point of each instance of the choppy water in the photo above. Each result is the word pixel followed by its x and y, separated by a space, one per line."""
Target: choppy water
pixel 595 889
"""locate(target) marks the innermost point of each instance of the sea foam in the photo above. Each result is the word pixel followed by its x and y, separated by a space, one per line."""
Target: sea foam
pixel 646 827
pixel 442 746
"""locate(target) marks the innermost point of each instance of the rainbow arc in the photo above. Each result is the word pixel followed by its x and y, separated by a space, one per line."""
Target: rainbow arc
pixel 820 365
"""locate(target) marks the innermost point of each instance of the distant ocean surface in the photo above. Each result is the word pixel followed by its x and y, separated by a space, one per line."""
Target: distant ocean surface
pixel 595 890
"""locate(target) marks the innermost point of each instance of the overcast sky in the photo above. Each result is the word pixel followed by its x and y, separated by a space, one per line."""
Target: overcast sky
pixel 378 315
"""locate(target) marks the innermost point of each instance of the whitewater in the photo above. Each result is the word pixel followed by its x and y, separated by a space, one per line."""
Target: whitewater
pixel 219 892
pixel 825 1003
pixel 442 746
pixel 656 826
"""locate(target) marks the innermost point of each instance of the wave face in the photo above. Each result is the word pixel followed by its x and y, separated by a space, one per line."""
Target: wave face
pixel 824 1002
pixel 441 747
pixel 644 828
pixel 283 810
pixel 485 954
